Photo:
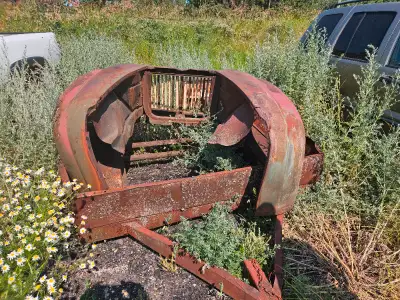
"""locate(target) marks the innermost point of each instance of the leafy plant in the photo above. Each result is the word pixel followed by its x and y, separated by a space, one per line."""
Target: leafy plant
pixel 357 196
pixel 204 157
pixel 220 241
pixel 26 108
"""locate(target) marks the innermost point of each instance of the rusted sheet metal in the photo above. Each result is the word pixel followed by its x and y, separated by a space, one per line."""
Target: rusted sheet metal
pixel 278 260
pixel 160 143
pixel 110 118
pixel 71 135
pixel 281 136
pixel 95 119
pixel 259 279
pixel 235 128
pixel 114 122
pixel 165 197
pixel 61 122
pixel 217 277
pixel 62 171
pixel 232 286
pixel 155 156
pixel 313 164
pixel 312 168
pixel 109 231
pixel 249 106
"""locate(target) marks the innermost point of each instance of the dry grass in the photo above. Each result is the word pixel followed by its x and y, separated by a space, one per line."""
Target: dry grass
pixel 355 256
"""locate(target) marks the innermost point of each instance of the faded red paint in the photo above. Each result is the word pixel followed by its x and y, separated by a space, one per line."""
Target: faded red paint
pixel 151 204
pixel 96 117
pixel 257 276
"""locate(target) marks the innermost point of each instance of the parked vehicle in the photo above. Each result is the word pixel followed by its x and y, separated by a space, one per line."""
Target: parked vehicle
pixel 350 30
pixel 34 49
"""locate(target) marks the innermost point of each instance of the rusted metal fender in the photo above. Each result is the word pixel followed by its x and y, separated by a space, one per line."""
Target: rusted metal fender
pixel 250 107
pixel 70 124
pixel 279 132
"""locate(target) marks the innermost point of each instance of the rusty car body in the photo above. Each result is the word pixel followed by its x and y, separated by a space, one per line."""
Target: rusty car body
pixel 98 114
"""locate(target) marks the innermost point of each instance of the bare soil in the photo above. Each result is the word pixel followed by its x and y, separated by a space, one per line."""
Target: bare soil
pixel 157 172
pixel 125 269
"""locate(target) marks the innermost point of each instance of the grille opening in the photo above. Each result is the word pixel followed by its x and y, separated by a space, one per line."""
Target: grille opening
pixel 181 95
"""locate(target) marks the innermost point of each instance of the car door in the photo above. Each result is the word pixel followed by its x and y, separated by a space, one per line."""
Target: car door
pixel 391 66
pixel 330 21
pixel 366 25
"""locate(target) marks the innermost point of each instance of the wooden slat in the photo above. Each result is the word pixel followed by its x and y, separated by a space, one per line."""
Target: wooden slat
pixel 180 92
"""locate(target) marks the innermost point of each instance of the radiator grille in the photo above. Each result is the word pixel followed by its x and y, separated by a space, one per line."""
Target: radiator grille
pixel 181 93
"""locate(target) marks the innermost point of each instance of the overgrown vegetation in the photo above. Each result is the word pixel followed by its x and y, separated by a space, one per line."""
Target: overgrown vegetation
pixel 145 26
pixel 26 109
pixel 359 188
pixel 342 238
pixel 36 224
pixel 36 228
pixel 345 216
pixel 219 240
pixel 203 157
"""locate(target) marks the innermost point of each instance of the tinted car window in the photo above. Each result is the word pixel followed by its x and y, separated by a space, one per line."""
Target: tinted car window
pixel 362 30
pixel 347 34
pixel 395 58
pixel 328 23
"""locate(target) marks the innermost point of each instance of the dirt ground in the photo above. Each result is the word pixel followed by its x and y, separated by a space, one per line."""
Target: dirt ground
pixel 126 269
pixel 157 172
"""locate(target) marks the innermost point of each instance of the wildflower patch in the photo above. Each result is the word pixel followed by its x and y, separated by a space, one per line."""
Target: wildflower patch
pixel 36 228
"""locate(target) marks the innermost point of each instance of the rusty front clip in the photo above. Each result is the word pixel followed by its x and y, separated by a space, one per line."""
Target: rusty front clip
pixel 98 114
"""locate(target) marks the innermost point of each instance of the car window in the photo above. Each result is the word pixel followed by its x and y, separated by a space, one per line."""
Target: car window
pixel 328 23
pixel 363 30
pixel 395 58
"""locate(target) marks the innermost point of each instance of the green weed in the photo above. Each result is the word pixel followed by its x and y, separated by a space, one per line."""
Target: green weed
pixel 359 188
pixel 349 219
pixel 219 240
pixel 26 108
pixel 203 157
pixel 145 27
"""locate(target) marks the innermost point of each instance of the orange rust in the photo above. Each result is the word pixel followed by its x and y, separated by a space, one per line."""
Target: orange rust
pixel 95 120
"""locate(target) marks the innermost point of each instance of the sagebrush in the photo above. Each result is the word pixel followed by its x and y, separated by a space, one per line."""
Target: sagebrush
pixel 219 240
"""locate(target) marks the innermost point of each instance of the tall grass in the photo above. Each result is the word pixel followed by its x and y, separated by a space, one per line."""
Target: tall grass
pixel 26 108
pixel 145 26
pixel 346 216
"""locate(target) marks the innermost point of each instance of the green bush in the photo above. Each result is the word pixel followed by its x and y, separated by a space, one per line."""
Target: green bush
pixel 220 241
pixel 359 188
pixel 36 229
pixel 203 157
pixel 26 107
pixel 361 170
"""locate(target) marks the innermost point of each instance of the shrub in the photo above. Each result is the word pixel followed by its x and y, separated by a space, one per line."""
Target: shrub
pixel 36 228
pixel 35 222
pixel 345 216
pixel 220 241
pixel 203 157
pixel 26 107
pixel 87 52
pixel 356 200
